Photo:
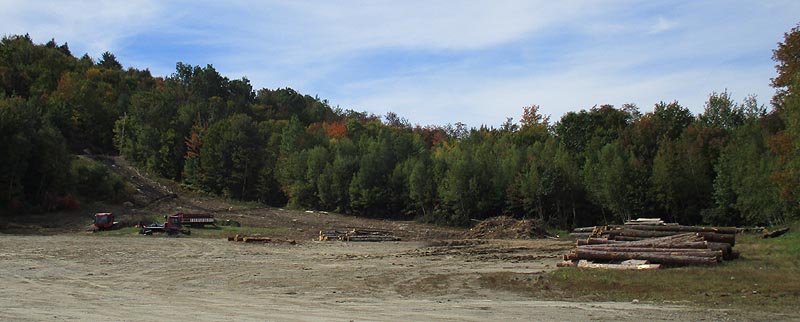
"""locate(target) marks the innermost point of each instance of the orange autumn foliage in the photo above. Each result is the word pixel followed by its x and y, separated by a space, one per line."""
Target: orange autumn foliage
pixel 335 129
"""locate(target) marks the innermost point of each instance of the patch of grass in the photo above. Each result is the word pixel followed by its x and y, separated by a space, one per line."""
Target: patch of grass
pixel 765 278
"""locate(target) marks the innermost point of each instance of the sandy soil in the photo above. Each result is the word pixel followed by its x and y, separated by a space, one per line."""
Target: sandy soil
pixel 51 269
pixel 155 278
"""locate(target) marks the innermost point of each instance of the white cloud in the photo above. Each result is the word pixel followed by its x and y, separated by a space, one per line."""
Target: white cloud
pixel 435 25
pixel 88 26
pixel 662 25
pixel 444 99
pixel 498 55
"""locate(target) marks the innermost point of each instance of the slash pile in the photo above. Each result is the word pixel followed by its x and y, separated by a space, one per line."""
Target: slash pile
pixel 357 234
pixel 671 245
pixel 506 227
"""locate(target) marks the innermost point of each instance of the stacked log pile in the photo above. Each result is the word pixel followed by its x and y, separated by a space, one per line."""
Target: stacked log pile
pixel 659 243
pixel 258 239
pixel 358 234
pixel 331 234
pixel 249 239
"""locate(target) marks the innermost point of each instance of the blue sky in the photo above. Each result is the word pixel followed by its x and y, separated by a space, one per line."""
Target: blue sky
pixel 439 62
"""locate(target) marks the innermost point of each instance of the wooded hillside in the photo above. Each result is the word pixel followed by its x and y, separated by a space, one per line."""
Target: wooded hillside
pixel 736 163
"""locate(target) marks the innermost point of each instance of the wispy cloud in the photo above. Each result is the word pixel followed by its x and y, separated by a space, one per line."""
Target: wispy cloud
pixel 89 26
pixel 476 62
pixel 662 24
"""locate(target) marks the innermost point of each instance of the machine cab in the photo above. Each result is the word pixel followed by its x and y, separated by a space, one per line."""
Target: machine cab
pixel 103 221
pixel 174 222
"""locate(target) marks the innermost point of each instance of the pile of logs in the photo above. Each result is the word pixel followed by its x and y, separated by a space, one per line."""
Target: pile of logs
pixel 672 245
pixel 641 232
pixel 249 239
pixel 259 239
pixel 357 234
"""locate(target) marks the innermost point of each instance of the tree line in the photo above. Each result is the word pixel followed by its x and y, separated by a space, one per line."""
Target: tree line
pixel 736 163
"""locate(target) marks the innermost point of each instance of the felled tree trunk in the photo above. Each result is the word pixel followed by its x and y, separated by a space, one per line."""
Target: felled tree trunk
pixel 673 258
pixel 684 229
pixel 776 233
pixel 719 238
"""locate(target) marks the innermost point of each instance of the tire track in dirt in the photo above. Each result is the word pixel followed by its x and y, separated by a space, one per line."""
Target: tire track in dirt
pixel 156 279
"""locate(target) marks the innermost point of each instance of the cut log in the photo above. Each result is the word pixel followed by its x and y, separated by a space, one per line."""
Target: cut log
pixel 566 263
pixel 580 235
pixel 602 241
pixel 775 233
pixel 640 233
pixel 372 238
pixel 659 258
pixel 647 243
pixel 719 238
pixel 680 251
pixel 583 229
pixel 628 238
pixel 685 229
pixel 256 239
pixel 597 241
pixel 677 241
pixel 645 221
pixel 727 249
pixel 330 235
pixel 623 266
pixel 750 229
pixel 358 234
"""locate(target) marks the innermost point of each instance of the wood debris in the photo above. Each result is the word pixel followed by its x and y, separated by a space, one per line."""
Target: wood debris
pixel 506 227
pixel 258 239
pixel 774 233
pixel 632 264
pixel 357 234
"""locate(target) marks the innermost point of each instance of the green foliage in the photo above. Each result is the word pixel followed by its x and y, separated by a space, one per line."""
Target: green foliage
pixel 610 177
pixel 231 157
pixel 721 112
pixel 786 145
pixel 735 163
pixel 681 178
pixel 744 177
pixel 34 157
pixel 94 182
pixel 31 71
pixel 603 125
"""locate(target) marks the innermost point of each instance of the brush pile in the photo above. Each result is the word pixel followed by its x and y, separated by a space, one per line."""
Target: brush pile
pixel 357 234
pixel 505 227
pixel 656 243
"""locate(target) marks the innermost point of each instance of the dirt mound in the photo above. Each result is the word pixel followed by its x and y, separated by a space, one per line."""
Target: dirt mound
pixel 505 227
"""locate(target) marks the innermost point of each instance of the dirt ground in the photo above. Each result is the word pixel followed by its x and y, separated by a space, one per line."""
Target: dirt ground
pixel 52 269
pixel 155 278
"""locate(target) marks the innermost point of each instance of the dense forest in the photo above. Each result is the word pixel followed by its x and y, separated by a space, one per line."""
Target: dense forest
pixel 736 163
